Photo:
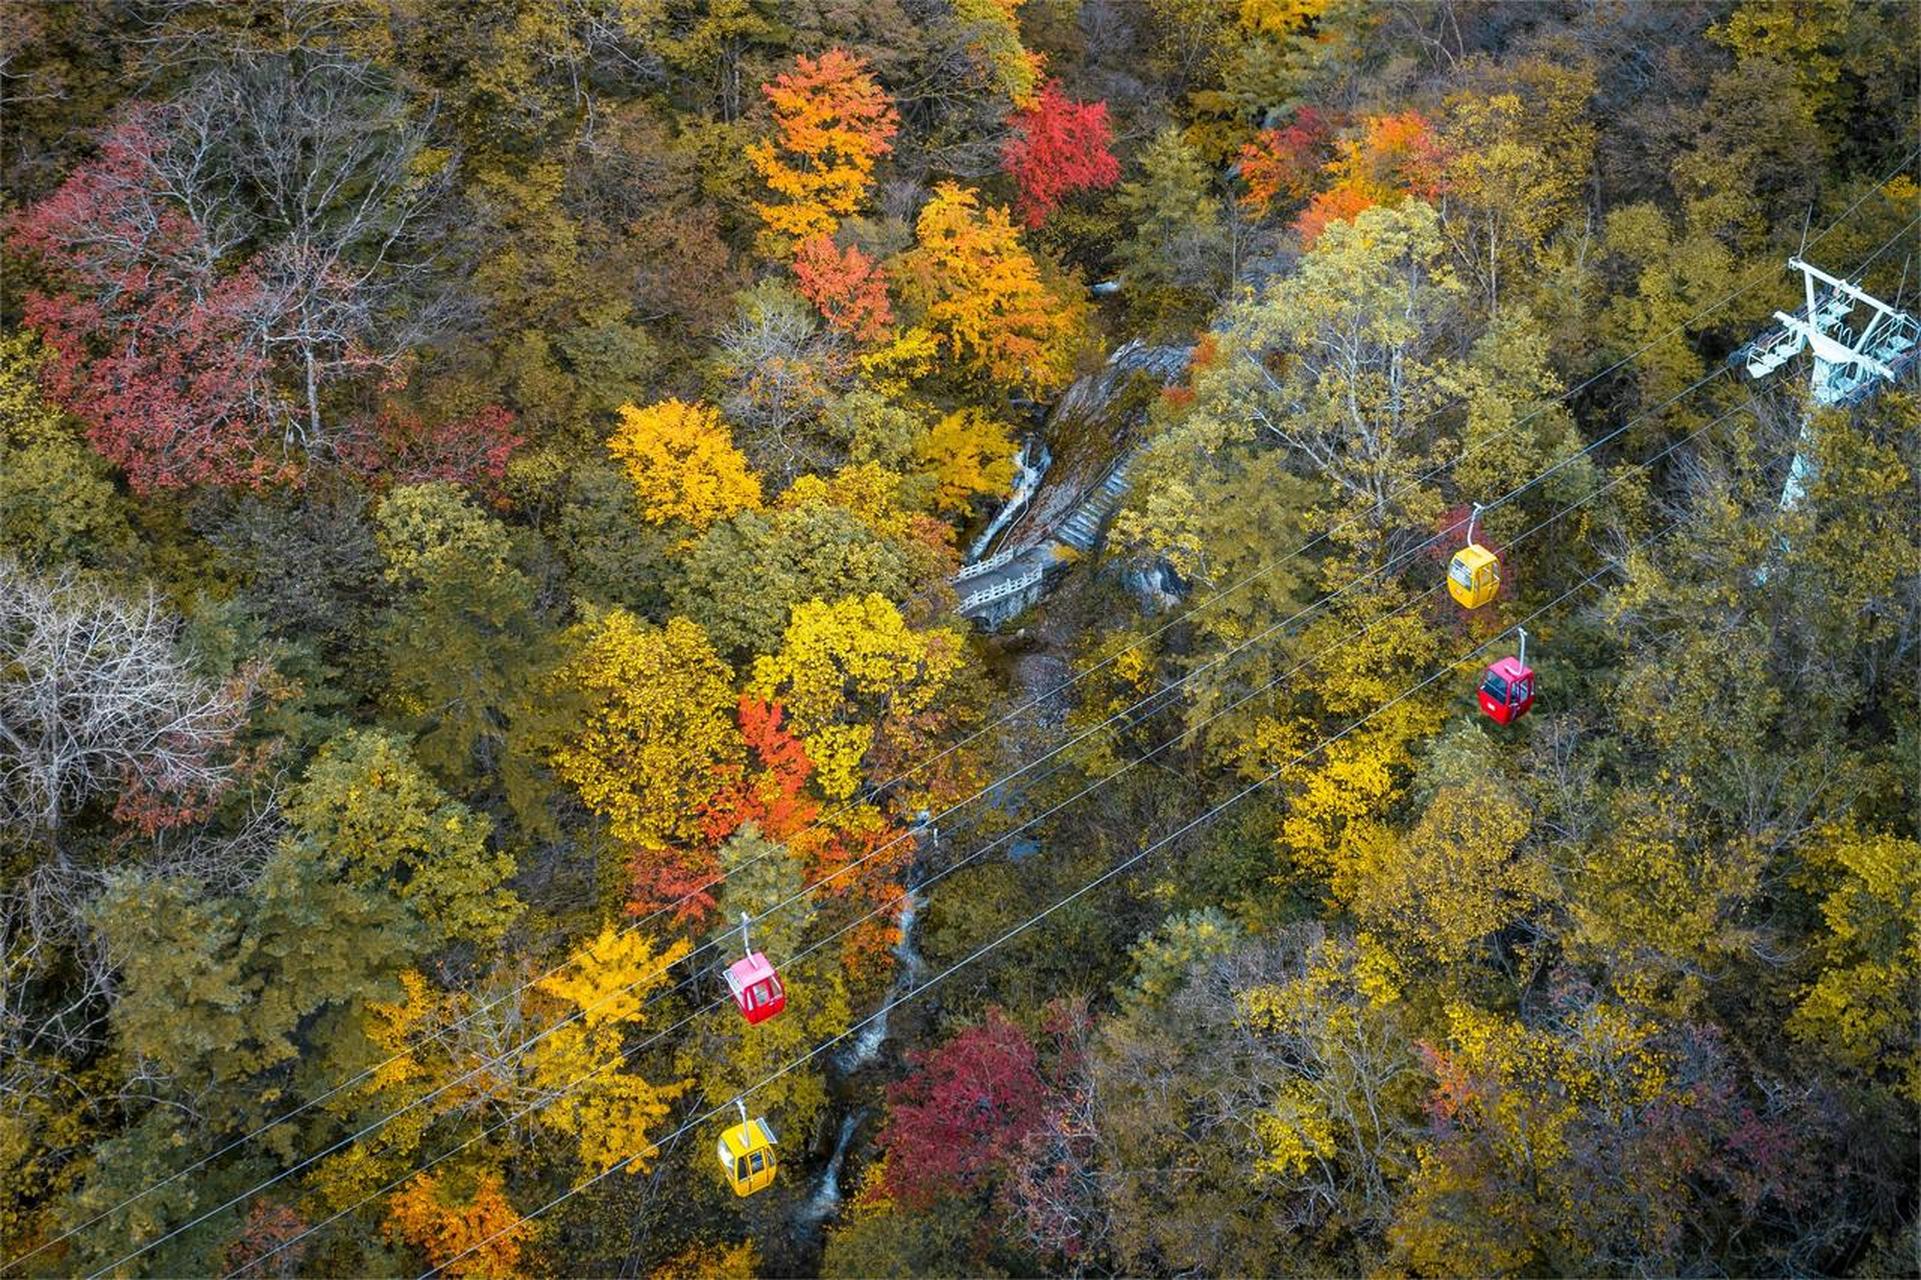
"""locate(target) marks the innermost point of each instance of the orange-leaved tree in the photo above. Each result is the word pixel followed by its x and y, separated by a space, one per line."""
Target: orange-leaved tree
pixel 850 852
pixel 832 121
pixel 1393 157
pixel 466 1226
pixel 845 287
pixel 982 294
pixel 1287 161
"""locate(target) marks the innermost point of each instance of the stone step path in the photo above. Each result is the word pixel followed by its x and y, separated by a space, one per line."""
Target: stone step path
pixel 1082 529
pixel 1058 521
pixel 1000 587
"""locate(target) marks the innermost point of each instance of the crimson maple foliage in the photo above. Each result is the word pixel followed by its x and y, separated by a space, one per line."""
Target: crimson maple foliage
pixel 964 1111
pixel 1287 161
pixel 400 446
pixel 1059 146
pixel 845 288
pixel 154 351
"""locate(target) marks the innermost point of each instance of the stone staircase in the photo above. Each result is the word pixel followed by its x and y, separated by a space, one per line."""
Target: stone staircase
pixel 1083 529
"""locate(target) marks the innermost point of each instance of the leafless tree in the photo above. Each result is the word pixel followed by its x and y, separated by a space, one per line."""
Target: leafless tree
pixel 96 694
pixel 781 366
pixel 317 172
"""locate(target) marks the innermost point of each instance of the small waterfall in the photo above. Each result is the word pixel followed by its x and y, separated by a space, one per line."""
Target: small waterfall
pixel 825 1202
pixel 1032 468
pixel 874 1034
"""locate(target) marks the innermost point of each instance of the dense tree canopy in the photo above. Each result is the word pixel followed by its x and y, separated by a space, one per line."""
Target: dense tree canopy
pixel 508 510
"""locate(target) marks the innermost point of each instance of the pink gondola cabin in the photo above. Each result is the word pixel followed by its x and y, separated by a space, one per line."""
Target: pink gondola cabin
pixel 755 985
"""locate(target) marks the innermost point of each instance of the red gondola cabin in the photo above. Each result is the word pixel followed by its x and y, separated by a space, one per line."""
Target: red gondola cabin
pixel 756 987
pixel 1507 690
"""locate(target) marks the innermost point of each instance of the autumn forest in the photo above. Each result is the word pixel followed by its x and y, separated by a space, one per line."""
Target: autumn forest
pixel 704 639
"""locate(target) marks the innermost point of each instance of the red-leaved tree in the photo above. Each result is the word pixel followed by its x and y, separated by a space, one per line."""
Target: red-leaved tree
pixel 1058 147
pixel 963 1113
pixel 239 272
pixel 159 355
pixel 1285 162
pixel 399 445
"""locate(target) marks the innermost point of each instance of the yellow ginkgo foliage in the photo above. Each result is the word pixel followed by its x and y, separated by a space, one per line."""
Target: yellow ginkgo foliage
pixel 969 454
pixel 658 725
pixel 573 1079
pixel 844 666
pixel 683 464
pixel 1339 787
pixel 608 980
pixel 608 1111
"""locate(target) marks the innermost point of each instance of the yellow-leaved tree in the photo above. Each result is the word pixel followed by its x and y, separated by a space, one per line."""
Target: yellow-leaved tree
pixel 1860 1010
pixel 969 454
pixel 1002 63
pixel 870 492
pixel 450 1052
pixel 843 668
pixel 683 464
pixel 1583 1130
pixel 970 281
pixel 1457 877
pixel 656 726
pixel 1338 786
pixel 609 1112
pixel 1335 1125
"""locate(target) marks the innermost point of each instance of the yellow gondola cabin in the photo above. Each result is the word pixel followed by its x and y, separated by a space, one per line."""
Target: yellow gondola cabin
pixel 747 1154
pixel 1474 575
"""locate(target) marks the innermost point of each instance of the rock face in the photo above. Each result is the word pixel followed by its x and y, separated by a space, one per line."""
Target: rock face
pixel 1090 437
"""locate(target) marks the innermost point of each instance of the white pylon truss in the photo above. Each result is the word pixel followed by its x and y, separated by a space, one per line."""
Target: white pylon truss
pixel 1848 366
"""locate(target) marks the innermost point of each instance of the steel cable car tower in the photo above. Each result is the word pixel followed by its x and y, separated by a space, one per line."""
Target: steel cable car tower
pixel 1848 366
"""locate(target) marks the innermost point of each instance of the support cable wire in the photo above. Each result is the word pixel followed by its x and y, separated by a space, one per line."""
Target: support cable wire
pixel 1182 734
pixel 985 948
pixel 1254 575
